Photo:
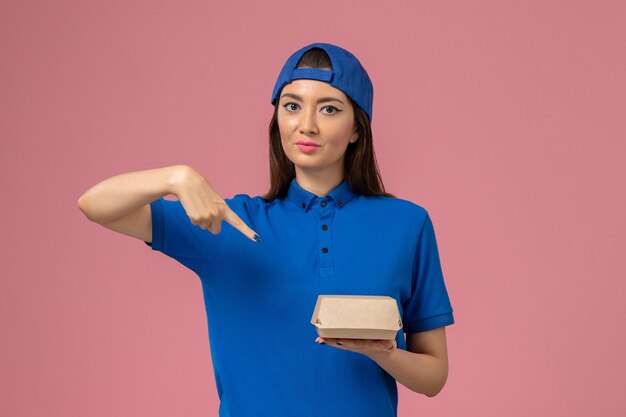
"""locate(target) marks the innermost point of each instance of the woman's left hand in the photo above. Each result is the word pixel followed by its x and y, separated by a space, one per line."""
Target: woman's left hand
pixel 368 347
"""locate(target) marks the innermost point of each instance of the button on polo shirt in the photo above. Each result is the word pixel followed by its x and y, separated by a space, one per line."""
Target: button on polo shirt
pixel 259 297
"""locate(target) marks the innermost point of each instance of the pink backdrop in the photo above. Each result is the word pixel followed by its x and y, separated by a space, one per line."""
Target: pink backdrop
pixel 506 120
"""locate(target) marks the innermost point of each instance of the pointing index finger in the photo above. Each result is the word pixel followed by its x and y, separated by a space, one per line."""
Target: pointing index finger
pixel 234 220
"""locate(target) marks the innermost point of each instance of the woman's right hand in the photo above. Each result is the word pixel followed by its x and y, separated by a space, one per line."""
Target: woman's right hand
pixel 203 205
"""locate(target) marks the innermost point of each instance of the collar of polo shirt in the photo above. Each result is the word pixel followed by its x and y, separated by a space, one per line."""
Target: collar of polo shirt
pixel 302 198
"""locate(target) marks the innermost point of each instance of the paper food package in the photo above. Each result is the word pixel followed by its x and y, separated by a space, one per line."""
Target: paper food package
pixel 356 317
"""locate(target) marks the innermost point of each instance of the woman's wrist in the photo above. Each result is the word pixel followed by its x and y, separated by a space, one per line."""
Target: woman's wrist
pixel 382 355
pixel 177 175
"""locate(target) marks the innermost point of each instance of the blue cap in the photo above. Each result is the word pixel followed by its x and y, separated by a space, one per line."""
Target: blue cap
pixel 347 75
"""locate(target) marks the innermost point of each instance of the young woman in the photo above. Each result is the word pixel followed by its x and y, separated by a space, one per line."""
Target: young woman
pixel 326 226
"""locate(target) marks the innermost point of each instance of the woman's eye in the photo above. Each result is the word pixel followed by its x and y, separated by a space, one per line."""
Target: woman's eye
pixel 286 106
pixel 336 110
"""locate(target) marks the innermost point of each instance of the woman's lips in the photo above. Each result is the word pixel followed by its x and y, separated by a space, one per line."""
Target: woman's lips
pixel 306 148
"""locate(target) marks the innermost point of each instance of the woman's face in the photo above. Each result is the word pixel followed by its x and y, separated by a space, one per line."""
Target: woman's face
pixel 314 111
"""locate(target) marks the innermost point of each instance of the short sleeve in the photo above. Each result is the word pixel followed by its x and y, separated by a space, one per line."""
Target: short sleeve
pixel 428 306
pixel 174 235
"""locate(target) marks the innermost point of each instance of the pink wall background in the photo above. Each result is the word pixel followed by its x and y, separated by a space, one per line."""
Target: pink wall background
pixel 504 119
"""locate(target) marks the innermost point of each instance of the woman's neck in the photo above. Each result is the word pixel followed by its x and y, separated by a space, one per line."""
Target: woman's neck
pixel 320 185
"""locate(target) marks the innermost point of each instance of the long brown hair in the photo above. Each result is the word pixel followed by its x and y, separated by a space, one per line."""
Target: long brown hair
pixel 360 168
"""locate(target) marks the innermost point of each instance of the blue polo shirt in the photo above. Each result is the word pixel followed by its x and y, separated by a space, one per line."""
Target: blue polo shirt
pixel 259 297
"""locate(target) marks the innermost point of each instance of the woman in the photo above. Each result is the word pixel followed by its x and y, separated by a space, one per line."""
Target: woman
pixel 326 226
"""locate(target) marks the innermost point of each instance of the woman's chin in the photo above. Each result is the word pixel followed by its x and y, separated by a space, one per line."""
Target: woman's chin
pixel 308 161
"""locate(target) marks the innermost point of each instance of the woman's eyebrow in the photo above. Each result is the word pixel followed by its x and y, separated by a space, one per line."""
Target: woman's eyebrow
pixel 321 100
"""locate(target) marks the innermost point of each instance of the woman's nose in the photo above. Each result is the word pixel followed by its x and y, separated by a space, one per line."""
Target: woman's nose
pixel 308 121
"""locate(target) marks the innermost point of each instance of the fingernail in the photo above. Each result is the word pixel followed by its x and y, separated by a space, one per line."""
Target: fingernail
pixel 257 238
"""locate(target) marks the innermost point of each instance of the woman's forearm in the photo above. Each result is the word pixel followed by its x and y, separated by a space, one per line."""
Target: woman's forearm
pixel 419 372
pixel 120 195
